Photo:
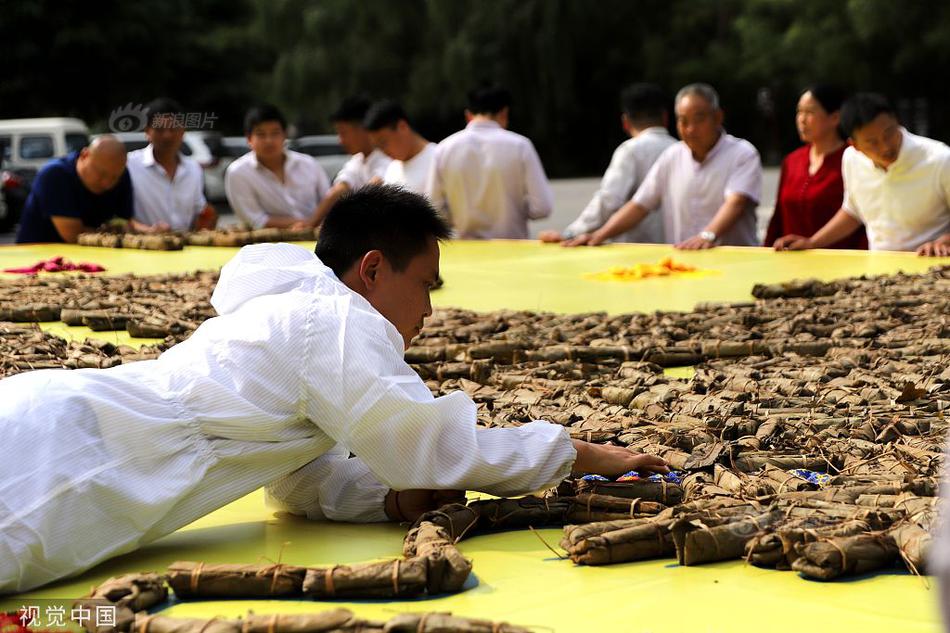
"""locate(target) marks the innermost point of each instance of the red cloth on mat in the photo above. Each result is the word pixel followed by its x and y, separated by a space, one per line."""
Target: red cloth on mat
pixel 55 265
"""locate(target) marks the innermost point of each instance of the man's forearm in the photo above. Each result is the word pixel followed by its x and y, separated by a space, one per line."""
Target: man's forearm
pixel 335 193
pixel 840 226
pixel 625 219
pixel 728 214
pixel 279 222
pixel 69 228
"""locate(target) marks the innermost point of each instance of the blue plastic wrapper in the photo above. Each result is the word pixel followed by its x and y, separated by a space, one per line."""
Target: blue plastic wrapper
pixel 673 477
pixel 819 479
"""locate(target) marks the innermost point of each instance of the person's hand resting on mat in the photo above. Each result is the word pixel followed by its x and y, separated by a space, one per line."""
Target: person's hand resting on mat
pixel 550 237
pixel 610 461
pixel 792 243
pixel 586 239
pixel 940 247
pixel 409 505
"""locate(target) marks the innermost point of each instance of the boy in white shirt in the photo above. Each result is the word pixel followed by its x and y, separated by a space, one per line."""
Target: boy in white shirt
pixel 412 154
pixel 367 164
pixel 896 184
pixel 272 186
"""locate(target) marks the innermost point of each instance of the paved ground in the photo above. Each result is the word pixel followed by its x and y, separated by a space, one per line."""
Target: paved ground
pixel 570 196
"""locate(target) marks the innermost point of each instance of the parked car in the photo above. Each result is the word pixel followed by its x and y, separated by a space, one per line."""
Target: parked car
pixel 25 146
pixel 234 147
pixel 14 189
pixel 325 148
pixel 204 146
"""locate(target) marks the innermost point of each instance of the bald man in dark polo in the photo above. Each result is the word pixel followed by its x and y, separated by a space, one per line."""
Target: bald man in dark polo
pixel 78 193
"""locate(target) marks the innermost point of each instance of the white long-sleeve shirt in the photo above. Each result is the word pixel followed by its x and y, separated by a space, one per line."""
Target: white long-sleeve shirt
pixel 255 193
pixel 490 182
pixel 628 167
pixel 296 367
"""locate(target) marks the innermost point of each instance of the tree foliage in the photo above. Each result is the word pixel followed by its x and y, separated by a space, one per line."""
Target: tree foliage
pixel 564 60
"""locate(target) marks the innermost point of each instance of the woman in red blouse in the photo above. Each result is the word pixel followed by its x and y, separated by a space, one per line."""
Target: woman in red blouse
pixel 810 188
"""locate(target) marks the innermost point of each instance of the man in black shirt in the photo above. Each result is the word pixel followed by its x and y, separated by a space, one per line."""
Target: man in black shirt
pixel 78 193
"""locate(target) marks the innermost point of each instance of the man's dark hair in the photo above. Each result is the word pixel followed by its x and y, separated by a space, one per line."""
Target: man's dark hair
pixel 263 113
pixel 385 113
pixel 643 103
pixel 378 217
pixel 487 98
pixel 162 107
pixel 353 109
pixel 863 108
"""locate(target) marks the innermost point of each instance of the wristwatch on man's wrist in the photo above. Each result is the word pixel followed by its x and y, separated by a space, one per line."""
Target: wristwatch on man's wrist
pixel 709 236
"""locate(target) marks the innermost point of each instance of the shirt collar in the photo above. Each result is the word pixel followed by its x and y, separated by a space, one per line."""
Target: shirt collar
pixel 656 129
pixel 289 159
pixel 483 124
pixel 904 155
pixel 720 143
pixel 148 157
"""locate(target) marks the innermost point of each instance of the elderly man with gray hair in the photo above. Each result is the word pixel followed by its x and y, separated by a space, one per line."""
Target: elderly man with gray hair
pixel 707 185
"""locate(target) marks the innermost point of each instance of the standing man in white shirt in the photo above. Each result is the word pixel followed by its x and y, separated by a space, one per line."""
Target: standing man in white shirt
pixel 708 184
pixel 411 154
pixel 896 184
pixel 167 186
pixel 367 164
pixel 488 180
pixel 644 118
pixel 272 186
pixel 304 365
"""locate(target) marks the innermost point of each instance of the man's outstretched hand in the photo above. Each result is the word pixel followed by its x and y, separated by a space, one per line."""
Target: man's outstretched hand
pixel 610 461
pixel 409 505
pixel 940 247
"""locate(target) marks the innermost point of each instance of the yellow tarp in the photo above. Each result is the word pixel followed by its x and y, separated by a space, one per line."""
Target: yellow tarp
pixel 518 578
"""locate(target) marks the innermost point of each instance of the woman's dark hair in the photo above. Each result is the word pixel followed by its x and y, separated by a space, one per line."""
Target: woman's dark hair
pixel 387 218
pixel 829 96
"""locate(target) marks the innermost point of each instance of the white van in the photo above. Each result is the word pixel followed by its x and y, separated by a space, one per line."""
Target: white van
pixel 28 144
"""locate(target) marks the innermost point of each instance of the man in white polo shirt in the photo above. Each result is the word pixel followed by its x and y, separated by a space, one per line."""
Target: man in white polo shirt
pixel 644 119
pixel 707 185
pixel 272 186
pixel 167 186
pixel 487 179
pixel 896 184
pixel 367 164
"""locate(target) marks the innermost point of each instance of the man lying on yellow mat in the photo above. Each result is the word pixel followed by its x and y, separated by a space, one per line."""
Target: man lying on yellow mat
pixel 303 366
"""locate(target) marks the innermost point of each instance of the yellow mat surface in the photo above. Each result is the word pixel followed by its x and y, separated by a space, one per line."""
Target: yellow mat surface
pixel 517 578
